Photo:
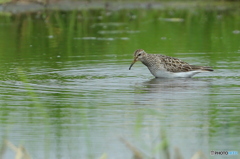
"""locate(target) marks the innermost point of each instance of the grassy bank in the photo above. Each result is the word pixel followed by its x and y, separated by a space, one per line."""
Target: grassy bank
pixel 35 5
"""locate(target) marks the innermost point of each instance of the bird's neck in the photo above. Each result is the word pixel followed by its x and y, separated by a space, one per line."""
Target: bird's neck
pixel 146 61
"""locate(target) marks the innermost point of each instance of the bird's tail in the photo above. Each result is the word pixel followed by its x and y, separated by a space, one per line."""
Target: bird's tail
pixel 203 68
pixel 207 68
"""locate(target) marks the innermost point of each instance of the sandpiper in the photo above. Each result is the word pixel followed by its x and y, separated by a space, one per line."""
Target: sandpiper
pixel 162 66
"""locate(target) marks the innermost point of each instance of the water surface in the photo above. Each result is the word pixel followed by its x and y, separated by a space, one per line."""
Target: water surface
pixel 66 91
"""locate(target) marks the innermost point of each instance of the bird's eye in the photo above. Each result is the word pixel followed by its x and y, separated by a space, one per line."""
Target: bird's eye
pixel 139 54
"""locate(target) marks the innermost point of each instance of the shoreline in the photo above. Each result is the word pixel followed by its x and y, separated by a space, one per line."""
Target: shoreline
pixel 25 7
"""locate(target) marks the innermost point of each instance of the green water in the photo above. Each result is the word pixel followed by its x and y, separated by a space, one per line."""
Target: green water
pixel 66 91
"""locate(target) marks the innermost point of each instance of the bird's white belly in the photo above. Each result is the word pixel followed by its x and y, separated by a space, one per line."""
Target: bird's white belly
pixel 166 74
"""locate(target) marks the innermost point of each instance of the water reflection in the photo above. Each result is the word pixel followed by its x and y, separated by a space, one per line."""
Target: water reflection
pixel 175 85
pixel 180 91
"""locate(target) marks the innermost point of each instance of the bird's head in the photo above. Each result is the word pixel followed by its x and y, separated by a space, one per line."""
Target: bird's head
pixel 138 56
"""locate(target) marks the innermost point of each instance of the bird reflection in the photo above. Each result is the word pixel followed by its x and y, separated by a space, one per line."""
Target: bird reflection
pixel 179 85
pixel 172 91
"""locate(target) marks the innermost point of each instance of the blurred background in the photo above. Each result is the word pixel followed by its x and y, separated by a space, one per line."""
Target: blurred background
pixel 66 91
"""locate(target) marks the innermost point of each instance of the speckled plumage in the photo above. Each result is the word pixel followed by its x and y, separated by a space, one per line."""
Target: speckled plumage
pixel 166 66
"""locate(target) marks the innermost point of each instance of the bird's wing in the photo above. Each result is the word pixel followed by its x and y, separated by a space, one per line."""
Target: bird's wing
pixel 174 64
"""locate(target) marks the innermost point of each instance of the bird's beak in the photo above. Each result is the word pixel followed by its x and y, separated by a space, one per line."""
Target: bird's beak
pixel 135 60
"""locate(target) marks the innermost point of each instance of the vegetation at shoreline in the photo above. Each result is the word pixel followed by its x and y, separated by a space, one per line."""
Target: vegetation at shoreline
pixel 21 6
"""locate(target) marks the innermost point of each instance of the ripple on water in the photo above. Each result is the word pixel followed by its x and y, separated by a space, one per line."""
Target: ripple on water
pixel 103 39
